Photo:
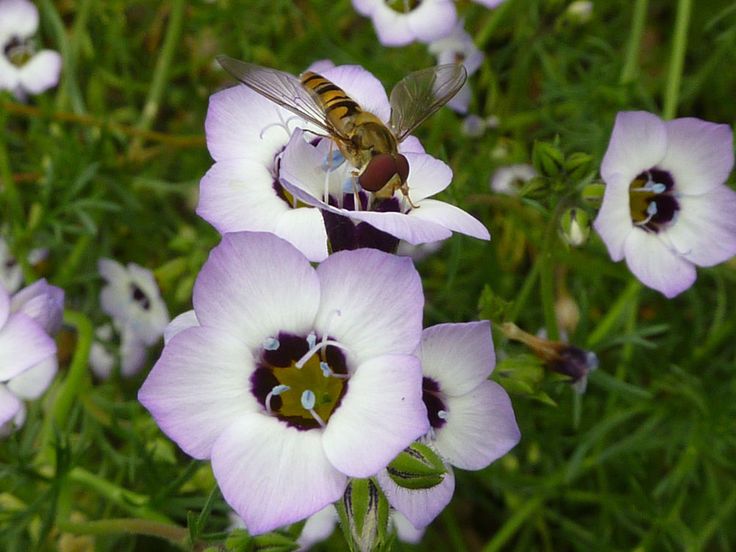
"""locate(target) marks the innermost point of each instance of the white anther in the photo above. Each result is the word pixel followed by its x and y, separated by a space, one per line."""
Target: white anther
pixel 308 401
pixel 312 339
pixel 443 415
pixel 271 344
pixel 276 391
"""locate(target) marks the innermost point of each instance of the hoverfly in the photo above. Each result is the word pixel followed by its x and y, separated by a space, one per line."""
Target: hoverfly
pixel 370 146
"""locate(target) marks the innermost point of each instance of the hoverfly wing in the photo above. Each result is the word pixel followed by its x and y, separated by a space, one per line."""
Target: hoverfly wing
pixel 281 88
pixel 421 93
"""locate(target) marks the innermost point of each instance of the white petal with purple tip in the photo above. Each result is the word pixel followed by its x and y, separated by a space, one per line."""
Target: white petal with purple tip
pixel 185 320
pixel 41 72
pixel 458 356
pixel 450 217
pixel 652 260
pixel 374 310
pixel 273 475
pixel 638 143
pixel 9 406
pixel 479 429
pixel 254 285
pixel 31 383
pixel 199 387
pixel 379 416
pixel 23 344
pixel 613 222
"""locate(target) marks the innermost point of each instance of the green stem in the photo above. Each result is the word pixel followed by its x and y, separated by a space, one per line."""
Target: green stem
pixel 630 68
pixel 69 268
pixel 129 501
pixel 161 72
pixel 492 22
pixel 525 291
pixel 607 323
pixel 10 192
pixel 547 274
pixel 131 526
pixel 679 45
pixel 71 386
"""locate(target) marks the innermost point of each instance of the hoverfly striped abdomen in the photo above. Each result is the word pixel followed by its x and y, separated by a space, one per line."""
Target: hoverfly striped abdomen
pixel 333 99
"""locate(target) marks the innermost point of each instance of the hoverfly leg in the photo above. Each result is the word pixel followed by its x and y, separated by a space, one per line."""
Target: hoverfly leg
pixel 326 190
pixel 405 191
pixel 356 191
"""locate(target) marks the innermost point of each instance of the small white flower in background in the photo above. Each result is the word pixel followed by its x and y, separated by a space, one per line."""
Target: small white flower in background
pixel 475 126
pixel 11 273
pixel 458 47
pixel 139 316
pixel 489 3
pixel 508 179
pixel 27 351
pixel 400 22
pixel 23 70
pixel 666 208
pixel 580 11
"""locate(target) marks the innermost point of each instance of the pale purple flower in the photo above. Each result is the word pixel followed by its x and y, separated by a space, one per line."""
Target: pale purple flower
pixel 666 207
pixel 132 351
pixel 472 420
pixel 306 175
pixel 22 69
pixel 489 3
pixel 271 334
pixel 509 178
pixel 27 351
pixel 132 298
pixel 458 47
pixel 400 22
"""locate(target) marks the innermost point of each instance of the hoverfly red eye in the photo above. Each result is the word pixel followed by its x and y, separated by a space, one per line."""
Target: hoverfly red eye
pixel 402 167
pixel 379 171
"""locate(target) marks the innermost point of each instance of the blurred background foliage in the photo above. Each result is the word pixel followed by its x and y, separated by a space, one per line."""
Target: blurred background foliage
pixel 108 164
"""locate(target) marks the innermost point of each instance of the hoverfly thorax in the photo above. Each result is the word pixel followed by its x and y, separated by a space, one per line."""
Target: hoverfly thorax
pixel 368 143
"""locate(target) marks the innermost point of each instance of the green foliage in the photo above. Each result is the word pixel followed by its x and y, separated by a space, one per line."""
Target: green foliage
pixel 108 165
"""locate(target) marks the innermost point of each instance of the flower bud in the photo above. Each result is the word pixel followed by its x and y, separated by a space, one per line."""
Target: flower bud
pixel 579 12
pixel 575 226
pixel 535 188
pixel 578 164
pixel 363 512
pixel 547 159
pixel 593 193
pixel 417 467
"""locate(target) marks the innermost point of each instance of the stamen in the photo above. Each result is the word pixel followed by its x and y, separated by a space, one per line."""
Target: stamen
pixel 271 344
pixel 329 373
pixel 442 415
pixel 283 124
pixel 308 400
pixel 302 361
pixel 312 339
pixel 651 211
pixel 651 187
pixel 330 318
pixel 276 391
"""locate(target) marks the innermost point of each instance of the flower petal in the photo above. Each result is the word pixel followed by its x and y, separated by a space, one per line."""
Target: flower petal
pixel 371 301
pixel 255 285
pixel 20 18
pixel 241 123
pixel 705 231
pixel 317 528
pixel 458 356
pixel 31 383
pixel 427 175
pixel 362 87
pixel 41 72
pixel 199 387
pixel 480 427
pixel 699 154
pixel 391 27
pixel 273 475
pixel 10 405
pixel 450 217
pixel 366 7
pixel 638 143
pixel 656 265
pixel 432 19
pixel 4 306
pixel 42 302
pixel 132 353
pixel 304 228
pixel 238 194
pixel 405 530
pixel 379 416
pixel 419 507
pixel 23 344
pixel 613 222
pixel 185 320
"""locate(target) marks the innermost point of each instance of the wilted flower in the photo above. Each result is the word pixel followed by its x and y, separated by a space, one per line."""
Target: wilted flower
pixel 509 179
pixel 22 69
pixel 666 208
pixel 471 418
pixel 27 350
pixel 399 22
pixel 292 379
pixel 458 47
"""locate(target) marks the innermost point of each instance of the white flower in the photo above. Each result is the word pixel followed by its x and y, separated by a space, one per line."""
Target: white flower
pixel 22 69
pixel 507 180
pixel 399 22
pixel 458 47
pixel 666 207
pixel 27 351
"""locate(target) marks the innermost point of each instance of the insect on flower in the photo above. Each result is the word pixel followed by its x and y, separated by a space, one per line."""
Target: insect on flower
pixel 364 140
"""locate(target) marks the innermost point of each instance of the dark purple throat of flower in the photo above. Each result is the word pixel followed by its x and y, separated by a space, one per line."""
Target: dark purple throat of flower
pixel 18 51
pixel 434 400
pixel 652 200
pixel 300 380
